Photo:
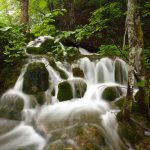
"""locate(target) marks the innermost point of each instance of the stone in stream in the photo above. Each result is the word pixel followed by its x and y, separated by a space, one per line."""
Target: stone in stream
pixel 11 106
pixel 41 45
pixel 71 89
pixel 77 72
pixel 64 91
pixel 35 78
pixel 111 93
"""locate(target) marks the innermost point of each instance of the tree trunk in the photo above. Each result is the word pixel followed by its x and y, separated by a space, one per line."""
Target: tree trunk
pixel 24 11
pixel 135 40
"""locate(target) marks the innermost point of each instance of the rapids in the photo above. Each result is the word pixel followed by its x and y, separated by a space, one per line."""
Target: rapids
pixel 43 126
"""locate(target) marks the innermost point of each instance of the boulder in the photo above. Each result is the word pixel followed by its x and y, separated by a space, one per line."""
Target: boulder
pixel 64 91
pixel 35 78
pixel 111 93
pixel 40 46
pixel 77 72
pixel 11 106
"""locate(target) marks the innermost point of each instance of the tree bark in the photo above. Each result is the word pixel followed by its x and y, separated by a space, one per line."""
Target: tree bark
pixel 135 40
pixel 24 11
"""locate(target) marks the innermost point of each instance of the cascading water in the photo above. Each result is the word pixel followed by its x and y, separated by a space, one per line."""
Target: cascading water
pixel 56 125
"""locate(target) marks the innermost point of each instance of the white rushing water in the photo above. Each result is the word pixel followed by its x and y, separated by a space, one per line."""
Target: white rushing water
pixel 55 116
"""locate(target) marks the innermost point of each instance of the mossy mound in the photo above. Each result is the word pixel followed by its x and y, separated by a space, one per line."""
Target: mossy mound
pixel 36 50
pixel 77 72
pixel 64 91
pixel 62 73
pixel 35 78
pixel 11 106
pixel 46 46
pixel 111 93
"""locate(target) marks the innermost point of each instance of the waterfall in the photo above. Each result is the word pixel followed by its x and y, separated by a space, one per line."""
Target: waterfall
pixel 54 123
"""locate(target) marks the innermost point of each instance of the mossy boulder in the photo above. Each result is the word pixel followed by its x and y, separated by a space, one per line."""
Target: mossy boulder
pixel 35 78
pixel 46 46
pixel 111 93
pixel 77 72
pixel 61 72
pixel 64 91
pixel 11 106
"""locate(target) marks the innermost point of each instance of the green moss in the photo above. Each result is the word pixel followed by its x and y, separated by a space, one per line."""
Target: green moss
pixel 35 78
pixel 120 102
pixel 62 74
pixel 111 93
pixel 64 91
pixel 36 50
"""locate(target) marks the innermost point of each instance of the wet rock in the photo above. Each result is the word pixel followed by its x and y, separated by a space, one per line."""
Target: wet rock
pixel 11 106
pixel 35 78
pixel 41 45
pixel 79 136
pixel 111 93
pixel 64 91
pixel 77 72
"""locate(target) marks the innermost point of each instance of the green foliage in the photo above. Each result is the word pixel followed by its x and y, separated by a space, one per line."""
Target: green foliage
pixel 112 50
pixel 146 59
pixel 13 41
pixel 146 9
pixel 47 25
pixel 101 20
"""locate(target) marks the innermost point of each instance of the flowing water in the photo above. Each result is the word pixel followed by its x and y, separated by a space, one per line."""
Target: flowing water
pixel 53 125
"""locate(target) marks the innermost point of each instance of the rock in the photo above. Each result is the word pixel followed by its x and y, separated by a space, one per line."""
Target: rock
pixel 41 46
pixel 64 91
pixel 11 106
pixel 111 93
pixel 77 72
pixel 79 136
pixel 35 78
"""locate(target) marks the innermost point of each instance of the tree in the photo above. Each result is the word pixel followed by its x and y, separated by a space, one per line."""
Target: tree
pixel 135 40
pixel 24 11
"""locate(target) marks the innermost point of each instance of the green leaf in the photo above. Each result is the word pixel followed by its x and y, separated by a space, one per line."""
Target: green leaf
pixel 42 4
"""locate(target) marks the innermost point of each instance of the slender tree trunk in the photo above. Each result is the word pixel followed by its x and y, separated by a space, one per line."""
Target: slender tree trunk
pixel 135 40
pixel 24 11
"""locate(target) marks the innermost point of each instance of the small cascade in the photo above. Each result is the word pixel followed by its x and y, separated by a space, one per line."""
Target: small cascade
pixel 61 120
pixel 89 69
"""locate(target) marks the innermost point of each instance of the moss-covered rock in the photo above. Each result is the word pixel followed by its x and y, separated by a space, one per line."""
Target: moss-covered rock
pixel 35 78
pixel 77 72
pixel 11 106
pixel 64 91
pixel 36 50
pixel 46 46
pixel 111 93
